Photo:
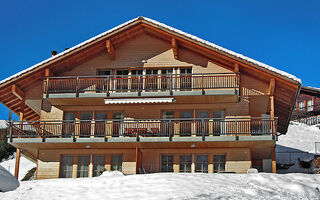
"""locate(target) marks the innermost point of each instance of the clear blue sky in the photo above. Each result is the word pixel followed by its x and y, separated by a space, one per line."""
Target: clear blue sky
pixel 284 34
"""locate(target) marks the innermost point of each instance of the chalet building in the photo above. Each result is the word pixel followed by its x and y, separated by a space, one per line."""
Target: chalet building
pixel 144 97
pixel 307 108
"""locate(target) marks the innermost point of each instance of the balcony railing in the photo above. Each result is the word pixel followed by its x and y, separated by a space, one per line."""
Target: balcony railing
pixel 144 128
pixel 140 83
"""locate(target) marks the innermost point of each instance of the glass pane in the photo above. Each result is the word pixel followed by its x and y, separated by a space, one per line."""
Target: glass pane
pixel 168 115
pixel 122 72
pixel 218 114
pixel 69 116
pixel 98 165
pixel 187 114
pixel 101 116
pixel 103 73
pixel 136 72
pixel 83 166
pixel 203 114
pixel 118 115
pixel 85 116
pixel 116 162
pixel 66 167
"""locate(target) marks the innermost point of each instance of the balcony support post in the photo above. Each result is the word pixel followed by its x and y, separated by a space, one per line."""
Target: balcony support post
pixel 274 164
pixel 18 151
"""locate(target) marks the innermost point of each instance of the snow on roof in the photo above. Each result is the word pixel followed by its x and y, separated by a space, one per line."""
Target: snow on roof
pixel 311 88
pixel 260 64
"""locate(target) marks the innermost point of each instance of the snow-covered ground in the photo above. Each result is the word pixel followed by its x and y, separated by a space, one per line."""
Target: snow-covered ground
pixel 114 185
pixel 173 186
pixel 25 165
pixel 300 137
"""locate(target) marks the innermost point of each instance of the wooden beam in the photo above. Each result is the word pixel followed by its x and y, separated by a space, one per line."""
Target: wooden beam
pixel 17 91
pixel 48 72
pixel 174 47
pixel 110 50
pixel 236 67
pixel 272 86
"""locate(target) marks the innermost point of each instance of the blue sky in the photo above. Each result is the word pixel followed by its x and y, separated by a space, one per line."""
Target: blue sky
pixel 283 34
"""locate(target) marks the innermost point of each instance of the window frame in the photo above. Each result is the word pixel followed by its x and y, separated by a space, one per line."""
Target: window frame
pixel 202 170
pixel 219 163
pixel 185 163
pixel 167 163
pixel 119 164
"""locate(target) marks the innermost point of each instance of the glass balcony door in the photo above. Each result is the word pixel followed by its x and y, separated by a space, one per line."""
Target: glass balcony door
pixel 137 80
pixel 219 122
pixel 152 79
pixel 85 123
pixel 203 123
pixel 100 124
pixel 122 80
pixel 68 128
pixel 185 125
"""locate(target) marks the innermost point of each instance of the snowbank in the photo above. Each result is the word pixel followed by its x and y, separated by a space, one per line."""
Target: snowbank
pixel 173 186
pixel 111 173
pixel 25 165
pixel 300 137
pixel 7 181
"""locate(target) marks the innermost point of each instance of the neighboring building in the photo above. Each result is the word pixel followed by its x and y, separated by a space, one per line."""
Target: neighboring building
pixel 145 97
pixel 308 106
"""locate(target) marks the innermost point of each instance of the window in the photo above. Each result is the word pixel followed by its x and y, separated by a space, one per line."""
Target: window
pixel 185 163
pixel 83 166
pixel 66 167
pixel 116 163
pixel 202 163
pixel 168 115
pixel 98 165
pixel 122 80
pixel 219 163
pixel 167 163
pixel 301 106
pixel 104 73
pixel 310 105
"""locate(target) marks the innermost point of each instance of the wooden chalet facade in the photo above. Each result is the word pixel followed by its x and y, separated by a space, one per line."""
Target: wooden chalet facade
pixel 145 97
pixel 307 108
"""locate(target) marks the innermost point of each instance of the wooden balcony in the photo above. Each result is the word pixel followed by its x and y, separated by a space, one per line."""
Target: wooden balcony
pixel 153 128
pixel 169 85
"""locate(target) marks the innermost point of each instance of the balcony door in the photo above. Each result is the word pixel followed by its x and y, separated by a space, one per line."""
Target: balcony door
pixel 100 124
pixel 85 123
pixel 136 80
pixel 117 124
pixel 122 80
pixel 219 122
pixel 152 79
pixel 203 123
pixel 185 79
pixel 166 79
pixel 185 123
pixel 103 85
pixel 68 128
pixel 167 127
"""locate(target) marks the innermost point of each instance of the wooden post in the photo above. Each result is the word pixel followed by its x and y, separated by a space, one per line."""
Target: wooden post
pixel 18 151
pixel 137 160
pixel 274 164
pixel 16 170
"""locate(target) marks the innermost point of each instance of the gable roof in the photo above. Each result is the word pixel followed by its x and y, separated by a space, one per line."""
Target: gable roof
pixel 162 26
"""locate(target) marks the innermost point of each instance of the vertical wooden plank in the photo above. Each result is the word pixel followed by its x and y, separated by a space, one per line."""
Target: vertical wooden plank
pixel 176 163
pixel 274 164
pixel 75 167
pixel 137 160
